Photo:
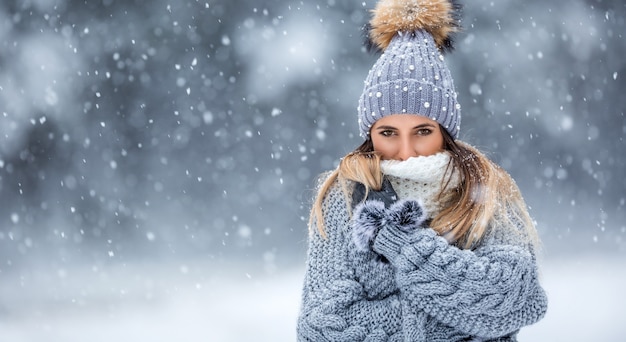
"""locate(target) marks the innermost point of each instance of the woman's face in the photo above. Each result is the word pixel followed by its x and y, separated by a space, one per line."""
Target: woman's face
pixel 401 136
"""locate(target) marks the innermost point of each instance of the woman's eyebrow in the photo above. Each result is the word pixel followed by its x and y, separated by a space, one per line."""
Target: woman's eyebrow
pixel 427 124
pixel 386 127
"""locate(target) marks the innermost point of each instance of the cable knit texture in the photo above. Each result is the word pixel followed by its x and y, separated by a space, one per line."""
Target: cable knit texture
pixel 400 281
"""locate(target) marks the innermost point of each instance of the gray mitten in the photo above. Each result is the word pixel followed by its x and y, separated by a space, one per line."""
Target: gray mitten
pixel 370 216
pixel 369 221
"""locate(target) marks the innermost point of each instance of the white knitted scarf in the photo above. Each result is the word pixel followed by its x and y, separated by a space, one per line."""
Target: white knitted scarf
pixel 421 178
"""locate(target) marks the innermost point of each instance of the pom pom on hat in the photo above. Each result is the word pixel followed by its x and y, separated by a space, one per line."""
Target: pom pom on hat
pixel 411 77
pixel 440 18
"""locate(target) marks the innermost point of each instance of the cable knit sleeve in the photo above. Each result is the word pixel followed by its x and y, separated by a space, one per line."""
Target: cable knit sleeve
pixel 335 305
pixel 490 292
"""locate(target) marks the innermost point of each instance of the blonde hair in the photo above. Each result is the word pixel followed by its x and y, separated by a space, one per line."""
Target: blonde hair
pixel 485 195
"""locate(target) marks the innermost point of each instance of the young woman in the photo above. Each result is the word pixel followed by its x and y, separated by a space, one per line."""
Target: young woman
pixel 417 236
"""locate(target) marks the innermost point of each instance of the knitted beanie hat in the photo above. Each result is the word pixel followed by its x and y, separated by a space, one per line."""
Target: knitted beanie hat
pixel 411 76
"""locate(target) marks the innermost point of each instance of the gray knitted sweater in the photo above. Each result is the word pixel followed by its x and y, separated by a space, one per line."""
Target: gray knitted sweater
pixel 385 276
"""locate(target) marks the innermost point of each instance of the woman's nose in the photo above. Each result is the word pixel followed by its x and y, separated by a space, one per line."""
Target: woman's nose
pixel 406 151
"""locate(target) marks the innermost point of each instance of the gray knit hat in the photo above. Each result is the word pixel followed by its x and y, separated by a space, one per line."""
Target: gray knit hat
pixel 411 76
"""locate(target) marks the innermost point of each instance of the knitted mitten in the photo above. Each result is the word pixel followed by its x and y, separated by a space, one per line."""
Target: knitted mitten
pixel 371 216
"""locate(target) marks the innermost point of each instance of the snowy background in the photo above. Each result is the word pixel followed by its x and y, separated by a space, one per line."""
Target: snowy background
pixel 157 157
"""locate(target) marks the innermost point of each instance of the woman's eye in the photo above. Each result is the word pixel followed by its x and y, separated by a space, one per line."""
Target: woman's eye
pixel 424 131
pixel 386 133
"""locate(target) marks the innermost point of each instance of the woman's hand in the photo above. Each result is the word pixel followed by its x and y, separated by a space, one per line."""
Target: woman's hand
pixel 370 217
